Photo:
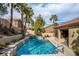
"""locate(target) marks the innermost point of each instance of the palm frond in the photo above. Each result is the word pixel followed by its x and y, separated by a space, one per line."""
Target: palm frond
pixel 53 17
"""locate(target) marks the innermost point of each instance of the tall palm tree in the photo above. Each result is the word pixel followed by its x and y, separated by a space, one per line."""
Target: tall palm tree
pixel 28 17
pixel 11 5
pixel 3 9
pixel 30 21
pixel 11 14
pixel 54 19
pixel 26 20
pixel 20 7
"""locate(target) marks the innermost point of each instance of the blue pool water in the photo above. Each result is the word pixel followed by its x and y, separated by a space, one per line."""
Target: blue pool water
pixel 35 45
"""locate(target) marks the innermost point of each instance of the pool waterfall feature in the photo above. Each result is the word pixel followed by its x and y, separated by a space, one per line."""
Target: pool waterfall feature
pixel 36 46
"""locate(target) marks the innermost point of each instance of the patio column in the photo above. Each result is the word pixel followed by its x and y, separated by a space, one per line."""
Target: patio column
pixel 59 34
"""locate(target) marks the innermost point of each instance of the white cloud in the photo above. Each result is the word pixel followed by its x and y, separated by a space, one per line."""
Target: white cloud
pixel 64 11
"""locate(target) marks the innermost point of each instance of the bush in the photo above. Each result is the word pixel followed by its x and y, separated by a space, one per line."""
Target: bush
pixel 2 46
pixel 77 31
pixel 39 25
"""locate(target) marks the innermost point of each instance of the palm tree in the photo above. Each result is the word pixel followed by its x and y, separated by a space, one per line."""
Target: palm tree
pixel 11 14
pixel 30 21
pixel 26 20
pixel 54 19
pixel 21 7
pixel 28 17
pixel 11 5
pixel 3 9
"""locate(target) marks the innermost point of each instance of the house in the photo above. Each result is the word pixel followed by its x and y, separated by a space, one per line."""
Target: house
pixel 4 22
pixel 49 29
pixel 16 24
pixel 68 31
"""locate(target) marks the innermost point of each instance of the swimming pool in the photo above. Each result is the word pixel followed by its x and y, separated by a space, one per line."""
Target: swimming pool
pixel 35 45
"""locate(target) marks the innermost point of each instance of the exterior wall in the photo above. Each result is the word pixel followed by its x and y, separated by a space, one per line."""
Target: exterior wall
pixel 4 22
pixel 60 38
pixel 49 29
pixel 16 23
pixel 19 24
pixel 72 35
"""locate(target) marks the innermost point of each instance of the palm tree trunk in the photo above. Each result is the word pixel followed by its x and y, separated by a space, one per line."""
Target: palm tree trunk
pixel 11 11
pixel 28 25
pixel 22 28
pixel 54 28
pixel 25 24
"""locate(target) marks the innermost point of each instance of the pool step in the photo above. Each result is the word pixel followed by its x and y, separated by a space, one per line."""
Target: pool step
pixel 33 47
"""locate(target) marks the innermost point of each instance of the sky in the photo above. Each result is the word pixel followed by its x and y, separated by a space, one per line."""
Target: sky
pixel 64 11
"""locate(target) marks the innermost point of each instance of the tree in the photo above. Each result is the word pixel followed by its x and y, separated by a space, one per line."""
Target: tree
pixel 11 5
pixel 3 9
pixel 11 13
pixel 32 22
pixel 28 18
pixel 21 8
pixel 54 19
pixel 39 25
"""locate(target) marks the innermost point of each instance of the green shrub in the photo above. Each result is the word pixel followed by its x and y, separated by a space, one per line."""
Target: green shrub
pixel 2 46
pixel 39 25
pixel 77 31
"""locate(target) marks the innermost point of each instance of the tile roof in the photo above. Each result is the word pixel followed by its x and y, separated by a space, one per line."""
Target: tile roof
pixel 69 23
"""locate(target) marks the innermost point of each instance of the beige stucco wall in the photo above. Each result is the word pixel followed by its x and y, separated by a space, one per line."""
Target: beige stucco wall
pixel 72 35
pixel 15 23
pixel 49 29
pixel 4 22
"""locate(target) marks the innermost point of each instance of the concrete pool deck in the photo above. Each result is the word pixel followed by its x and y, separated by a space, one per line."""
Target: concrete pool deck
pixel 67 51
